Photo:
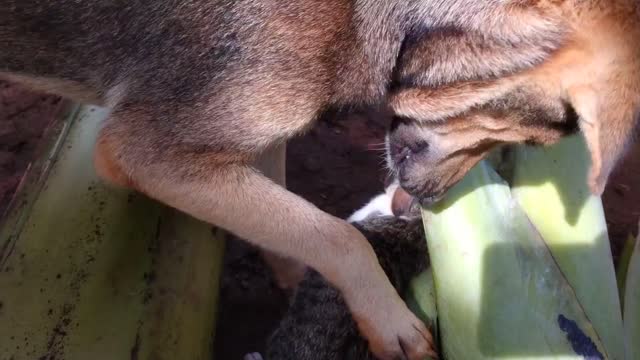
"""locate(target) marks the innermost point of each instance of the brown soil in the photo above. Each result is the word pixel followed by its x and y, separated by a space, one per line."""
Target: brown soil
pixel 336 166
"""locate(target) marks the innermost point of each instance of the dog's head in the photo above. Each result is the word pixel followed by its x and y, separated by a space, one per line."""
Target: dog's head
pixel 428 157
pixel 461 94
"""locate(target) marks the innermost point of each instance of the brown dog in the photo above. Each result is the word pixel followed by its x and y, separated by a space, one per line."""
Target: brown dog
pixel 597 74
pixel 200 88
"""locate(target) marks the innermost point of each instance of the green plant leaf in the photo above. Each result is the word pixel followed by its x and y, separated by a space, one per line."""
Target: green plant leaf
pixel 550 185
pixel 500 293
pixel 88 271
pixel 632 306
pixel 623 266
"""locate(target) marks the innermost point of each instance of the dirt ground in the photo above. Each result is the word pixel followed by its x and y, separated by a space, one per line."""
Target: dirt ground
pixel 337 166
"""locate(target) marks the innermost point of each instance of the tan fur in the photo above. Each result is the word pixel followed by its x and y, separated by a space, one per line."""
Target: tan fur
pixel 199 89
pixel 107 167
pixel 597 73
pixel 287 271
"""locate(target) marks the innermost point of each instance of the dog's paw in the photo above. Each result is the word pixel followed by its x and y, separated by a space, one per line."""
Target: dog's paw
pixel 402 336
pixel 253 356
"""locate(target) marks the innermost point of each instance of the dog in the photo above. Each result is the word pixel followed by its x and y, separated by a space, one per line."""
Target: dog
pixel 199 90
pixel 592 84
pixel 318 324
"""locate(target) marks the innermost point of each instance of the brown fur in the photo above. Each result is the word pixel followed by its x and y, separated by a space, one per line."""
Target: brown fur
pixel 597 73
pixel 199 89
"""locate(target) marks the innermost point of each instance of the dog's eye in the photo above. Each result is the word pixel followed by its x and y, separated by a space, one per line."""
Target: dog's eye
pixel 396 121
pixel 419 147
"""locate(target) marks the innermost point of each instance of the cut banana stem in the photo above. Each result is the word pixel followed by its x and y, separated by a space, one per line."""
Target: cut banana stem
pixel 623 266
pixel 632 305
pixel 421 299
pixel 550 185
pixel 88 271
pixel 500 293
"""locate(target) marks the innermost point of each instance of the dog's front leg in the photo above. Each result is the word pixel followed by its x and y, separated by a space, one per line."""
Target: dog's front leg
pixel 287 271
pixel 239 198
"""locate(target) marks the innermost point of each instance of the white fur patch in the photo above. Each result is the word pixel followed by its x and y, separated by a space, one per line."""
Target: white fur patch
pixel 253 356
pixel 378 206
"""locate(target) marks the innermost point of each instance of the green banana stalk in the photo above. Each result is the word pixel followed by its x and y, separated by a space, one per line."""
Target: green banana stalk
pixel 421 299
pixel 499 291
pixel 88 271
pixel 623 266
pixel 632 304
pixel 550 185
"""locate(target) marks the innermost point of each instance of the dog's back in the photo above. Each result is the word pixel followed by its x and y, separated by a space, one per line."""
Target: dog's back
pixel 89 47
pixel 169 50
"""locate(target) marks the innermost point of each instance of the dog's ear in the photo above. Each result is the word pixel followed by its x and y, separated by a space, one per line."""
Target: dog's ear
pixel 608 123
